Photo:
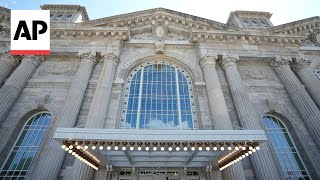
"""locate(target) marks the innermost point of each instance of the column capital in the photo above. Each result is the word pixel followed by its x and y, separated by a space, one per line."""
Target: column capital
pixel 208 60
pixel 88 56
pixel 300 63
pixel 228 60
pixel 35 60
pixel 110 56
pixel 280 61
pixel 7 57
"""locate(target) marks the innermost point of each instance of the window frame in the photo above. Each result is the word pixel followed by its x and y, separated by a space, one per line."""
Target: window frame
pixel 30 118
pixel 192 98
pixel 274 117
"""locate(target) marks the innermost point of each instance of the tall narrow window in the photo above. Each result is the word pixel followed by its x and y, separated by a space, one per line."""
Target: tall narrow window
pixel 285 149
pixel 159 95
pixel 317 71
pixel 19 160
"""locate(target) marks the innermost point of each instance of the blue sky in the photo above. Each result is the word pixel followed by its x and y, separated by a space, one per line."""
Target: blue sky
pixel 283 11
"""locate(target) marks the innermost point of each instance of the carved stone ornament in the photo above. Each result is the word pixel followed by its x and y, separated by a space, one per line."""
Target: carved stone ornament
pixel 159 47
pixel 299 63
pixel 257 74
pixel 313 39
pixel 59 69
pixel 229 60
pixel 159 30
pixel 43 99
pixel 12 60
pixel 143 36
pixel 110 56
pixel 88 56
pixel 175 36
pixel 35 60
pixel 208 60
pixel 280 61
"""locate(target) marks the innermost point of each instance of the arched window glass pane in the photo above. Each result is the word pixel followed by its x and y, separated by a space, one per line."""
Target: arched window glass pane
pixel 286 152
pixel 159 95
pixel 25 148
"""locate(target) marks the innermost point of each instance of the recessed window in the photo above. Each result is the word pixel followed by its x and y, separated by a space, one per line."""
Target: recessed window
pixel 68 16
pixel 159 95
pixel 287 154
pixel 22 154
pixel 317 72
pixel 58 16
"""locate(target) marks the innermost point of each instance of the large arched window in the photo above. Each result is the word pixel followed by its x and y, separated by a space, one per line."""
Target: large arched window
pixel 20 158
pixel 285 149
pixel 159 95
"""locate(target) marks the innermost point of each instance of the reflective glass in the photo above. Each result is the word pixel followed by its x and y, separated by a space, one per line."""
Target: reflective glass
pixel 159 95
pixel 23 152
pixel 286 153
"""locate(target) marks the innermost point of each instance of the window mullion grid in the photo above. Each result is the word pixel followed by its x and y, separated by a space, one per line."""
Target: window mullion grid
pixel 178 99
pixel 18 148
pixel 139 99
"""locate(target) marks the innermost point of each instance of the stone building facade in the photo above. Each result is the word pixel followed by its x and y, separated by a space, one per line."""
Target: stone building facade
pixel 240 76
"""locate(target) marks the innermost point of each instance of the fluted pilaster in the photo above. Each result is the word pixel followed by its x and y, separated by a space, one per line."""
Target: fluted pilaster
pixel 219 111
pixel 98 109
pixel 7 64
pixel 13 87
pixel 52 158
pixel 299 96
pixel 302 68
pixel 263 162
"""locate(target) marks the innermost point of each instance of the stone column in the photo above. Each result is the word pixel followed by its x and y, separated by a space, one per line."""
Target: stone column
pixel 299 96
pixel 98 109
pixel 13 87
pixel 263 162
pixel 7 64
pixel 50 161
pixel 219 111
pixel 302 68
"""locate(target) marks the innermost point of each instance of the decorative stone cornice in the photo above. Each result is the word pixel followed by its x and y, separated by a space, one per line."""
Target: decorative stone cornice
pixel 91 33
pixel 12 60
pixel 280 61
pixel 299 63
pixel 88 56
pixel 35 60
pixel 110 56
pixel 208 60
pixel 228 60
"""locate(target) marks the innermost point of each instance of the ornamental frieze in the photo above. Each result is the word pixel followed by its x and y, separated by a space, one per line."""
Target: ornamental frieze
pixel 58 69
pixel 257 74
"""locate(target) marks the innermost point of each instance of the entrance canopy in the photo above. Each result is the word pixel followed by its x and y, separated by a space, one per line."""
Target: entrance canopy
pixel 159 148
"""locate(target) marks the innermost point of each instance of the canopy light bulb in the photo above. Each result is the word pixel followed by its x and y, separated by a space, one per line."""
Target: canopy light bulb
pixel 101 147
pixel 258 148
pixel 109 148
pixel 229 148
pixel 63 146
pixel 177 148
pixel 66 149
pixel 200 148
pixel 243 156
pixel 162 148
pixel 78 147
pixel 253 150
pixel 247 154
pixel 93 147
pixel 250 152
pixel 70 147
pixel 193 148
pixel 131 148
pixel 116 148
pixel 86 147
pixel 185 149
pixel 124 148
pixel 236 148
pixel 222 148
pixel 73 153
pixel 147 148
pixel 170 148
pixel 70 151
pixel 244 148
pixel 215 148
pixel 76 155
pixel 154 148
pixel 139 148
pixel 208 148
pixel 250 148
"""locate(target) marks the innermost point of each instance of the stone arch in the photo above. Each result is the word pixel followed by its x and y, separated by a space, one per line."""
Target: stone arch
pixel 129 63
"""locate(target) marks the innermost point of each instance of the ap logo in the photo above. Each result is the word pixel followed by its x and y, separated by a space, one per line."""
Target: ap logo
pixel 30 32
